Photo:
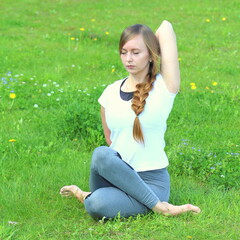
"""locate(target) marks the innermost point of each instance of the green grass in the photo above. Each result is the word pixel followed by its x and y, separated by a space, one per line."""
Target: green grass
pixel 55 115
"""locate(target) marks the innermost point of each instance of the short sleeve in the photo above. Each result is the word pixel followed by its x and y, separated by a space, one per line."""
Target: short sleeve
pixel 103 99
pixel 164 87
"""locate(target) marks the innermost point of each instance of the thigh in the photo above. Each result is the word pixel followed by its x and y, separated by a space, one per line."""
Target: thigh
pixel 110 202
pixel 159 181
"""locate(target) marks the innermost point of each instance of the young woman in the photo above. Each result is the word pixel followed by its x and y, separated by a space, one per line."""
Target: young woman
pixel 130 176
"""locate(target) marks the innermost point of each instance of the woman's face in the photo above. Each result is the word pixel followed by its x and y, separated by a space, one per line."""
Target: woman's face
pixel 135 56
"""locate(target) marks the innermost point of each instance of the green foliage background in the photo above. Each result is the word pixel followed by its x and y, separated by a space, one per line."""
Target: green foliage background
pixel 58 71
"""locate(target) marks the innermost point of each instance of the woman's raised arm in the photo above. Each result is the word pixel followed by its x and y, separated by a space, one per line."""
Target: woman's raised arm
pixel 169 67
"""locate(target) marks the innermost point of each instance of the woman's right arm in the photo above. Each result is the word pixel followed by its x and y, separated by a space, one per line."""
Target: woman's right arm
pixel 106 130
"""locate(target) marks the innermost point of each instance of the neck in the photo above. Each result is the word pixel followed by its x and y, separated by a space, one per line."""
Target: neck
pixel 131 83
pixel 134 80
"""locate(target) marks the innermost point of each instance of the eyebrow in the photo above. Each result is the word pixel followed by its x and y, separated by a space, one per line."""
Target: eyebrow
pixel 138 49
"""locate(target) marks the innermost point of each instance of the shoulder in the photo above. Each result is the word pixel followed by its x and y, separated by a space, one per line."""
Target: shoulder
pixel 115 84
pixel 112 88
pixel 161 86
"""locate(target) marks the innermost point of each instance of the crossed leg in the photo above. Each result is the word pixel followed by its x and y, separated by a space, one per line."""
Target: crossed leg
pixel 110 201
pixel 115 184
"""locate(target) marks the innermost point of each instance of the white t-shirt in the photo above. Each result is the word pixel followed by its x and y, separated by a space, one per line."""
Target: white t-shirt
pixel 120 117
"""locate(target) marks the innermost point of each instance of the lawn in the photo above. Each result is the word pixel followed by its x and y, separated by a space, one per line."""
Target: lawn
pixel 57 56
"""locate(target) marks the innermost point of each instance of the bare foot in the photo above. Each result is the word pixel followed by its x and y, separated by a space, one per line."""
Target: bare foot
pixel 74 191
pixel 172 210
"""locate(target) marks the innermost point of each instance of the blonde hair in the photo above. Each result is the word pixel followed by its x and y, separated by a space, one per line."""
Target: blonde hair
pixel 143 89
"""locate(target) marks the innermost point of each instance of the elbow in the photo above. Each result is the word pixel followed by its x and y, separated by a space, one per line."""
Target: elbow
pixel 166 24
pixel 109 142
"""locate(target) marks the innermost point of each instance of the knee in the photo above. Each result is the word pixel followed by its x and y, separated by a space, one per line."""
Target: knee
pixel 100 152
pixel 102 157
pixel 96 207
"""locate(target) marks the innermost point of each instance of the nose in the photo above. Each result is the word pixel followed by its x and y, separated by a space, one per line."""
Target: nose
pixel 129 57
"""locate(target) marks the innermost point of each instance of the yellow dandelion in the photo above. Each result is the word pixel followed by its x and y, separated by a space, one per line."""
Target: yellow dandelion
pixel 12 95
pixel 224 19
pixel 113 70
pixel 214 83
pixel 208 20
pixel 192 84
pixel 93 19
pixel 95 39
pixel 12 140
pixel 212 91
pixel 82 29
pixel 189 237
pixel 179 59
pixel 207 88
pixel 107 33
pixel 193 87
pixel 72 38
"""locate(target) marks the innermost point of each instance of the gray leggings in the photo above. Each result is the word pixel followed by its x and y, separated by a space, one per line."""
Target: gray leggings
pixel 118 189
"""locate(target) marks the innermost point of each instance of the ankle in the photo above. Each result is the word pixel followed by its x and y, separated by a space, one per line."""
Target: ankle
pixel 161 207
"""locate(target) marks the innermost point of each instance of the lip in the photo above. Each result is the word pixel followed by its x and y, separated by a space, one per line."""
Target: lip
pixel 130 66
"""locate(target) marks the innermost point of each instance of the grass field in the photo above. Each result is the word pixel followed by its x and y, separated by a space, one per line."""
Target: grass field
pixel 57 56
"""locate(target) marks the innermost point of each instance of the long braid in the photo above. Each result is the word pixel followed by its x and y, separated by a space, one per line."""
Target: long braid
pixel 138 103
